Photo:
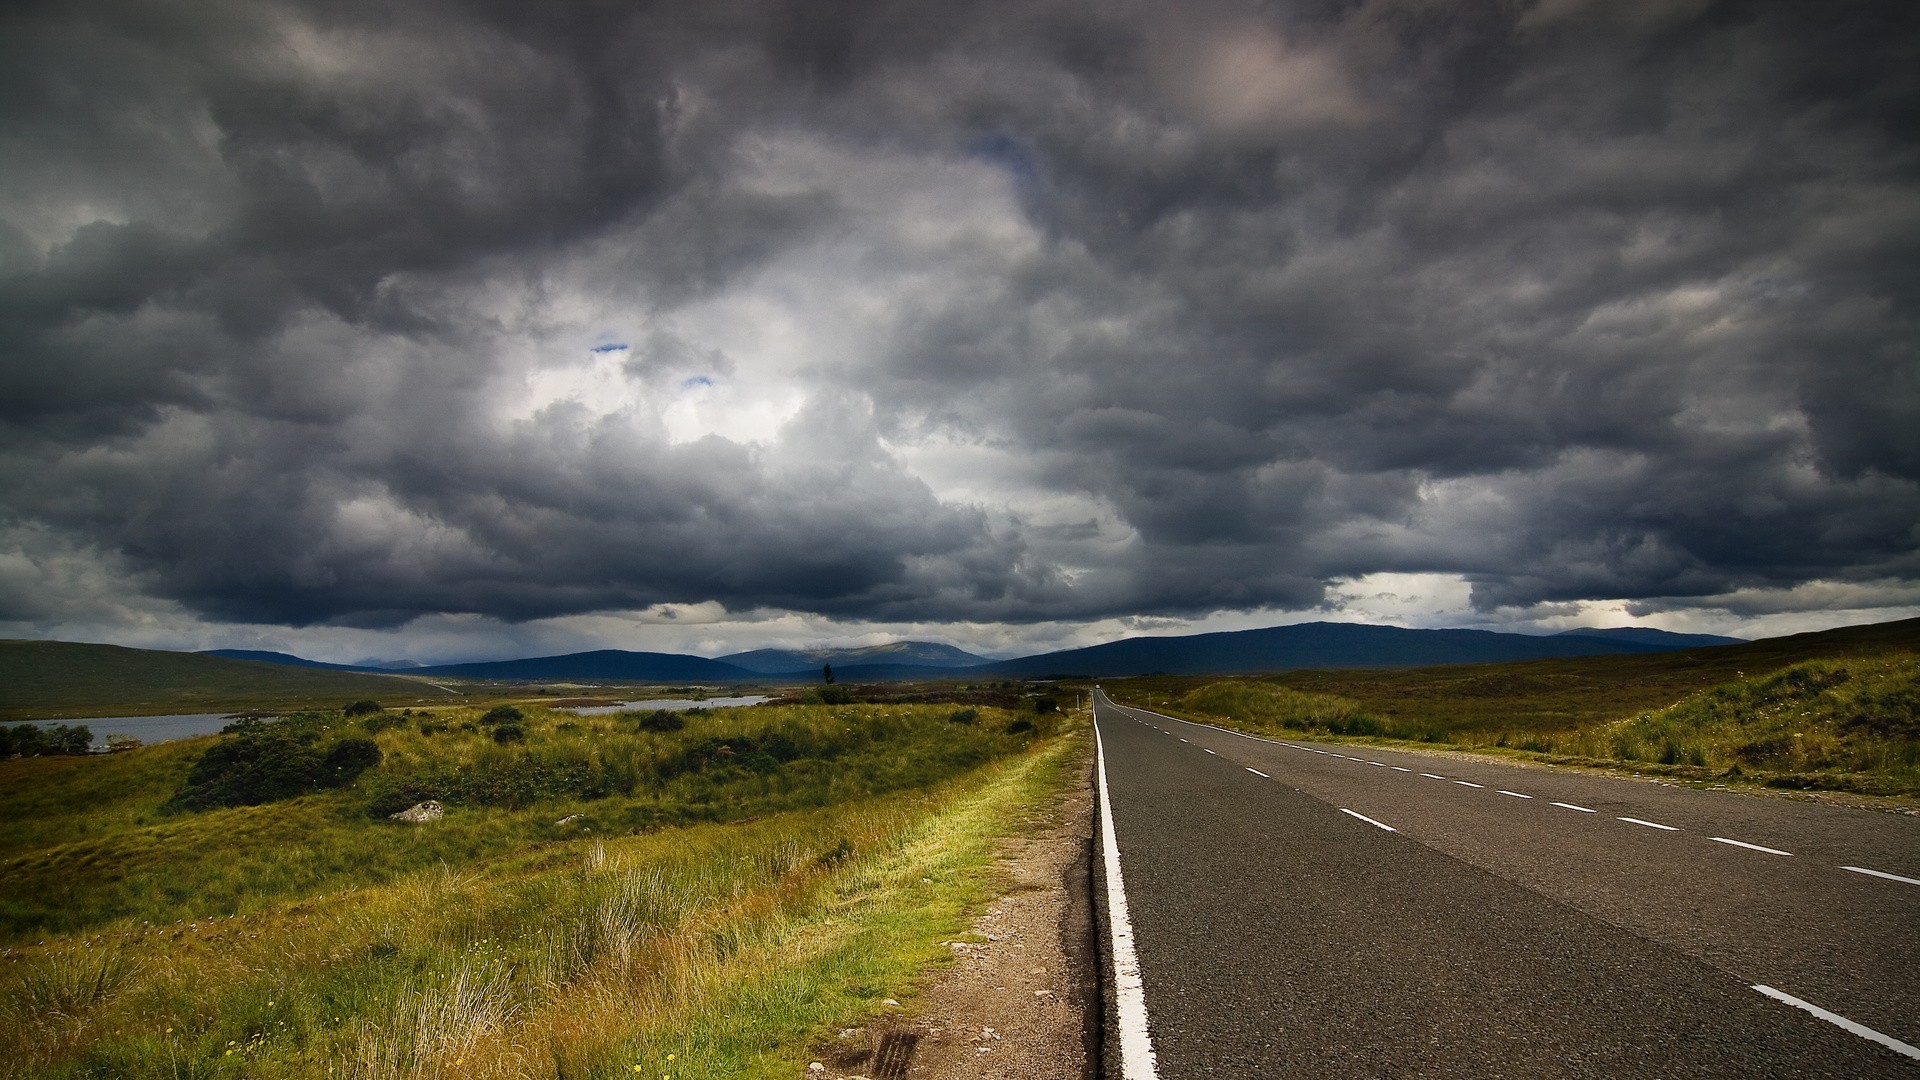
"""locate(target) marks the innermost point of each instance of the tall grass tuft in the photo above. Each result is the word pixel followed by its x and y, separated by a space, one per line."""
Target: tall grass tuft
pixel 65 985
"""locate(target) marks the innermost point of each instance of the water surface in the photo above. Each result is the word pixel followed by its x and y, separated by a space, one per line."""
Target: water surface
pixel 148 729
pixel 673 704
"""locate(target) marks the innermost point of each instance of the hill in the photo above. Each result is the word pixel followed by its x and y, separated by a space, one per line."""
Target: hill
pixel 1554 694
pixel 54 680
pixel 1647 635
pixel 616 665
pixel 1310 645
pixel 266 657
pixel 1831 709
pixel 899 654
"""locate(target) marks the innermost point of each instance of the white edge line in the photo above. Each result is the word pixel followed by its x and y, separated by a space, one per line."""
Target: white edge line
pixel 1749 847
pixel 1570 806
pixel 1837 1020
pixel 1657 825
pixel 1368 820
pixel 1257 772
pixel 1515 794
pixel 1881 874
pixel 1130 999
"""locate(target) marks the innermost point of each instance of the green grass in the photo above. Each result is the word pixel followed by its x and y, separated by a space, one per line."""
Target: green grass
pixel 92 843
pixel 56 680
pixel 1820 710
pixel 705 950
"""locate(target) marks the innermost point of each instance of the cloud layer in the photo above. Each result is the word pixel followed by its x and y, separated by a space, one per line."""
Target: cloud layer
pixel 981 312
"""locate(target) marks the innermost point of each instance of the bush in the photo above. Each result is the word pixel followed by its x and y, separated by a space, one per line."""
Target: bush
pixel 964 716
pixel 32 740
pixel 382 721
pixel 260 763
pixel 1020 726
pixel 662 720
pixel 361 708
pixel 1045 705
pixel 348 758
pixel 503 714
pixel 249 768
pixel 509 733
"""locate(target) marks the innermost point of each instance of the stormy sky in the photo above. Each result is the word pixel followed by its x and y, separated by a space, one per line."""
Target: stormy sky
pixel 454 330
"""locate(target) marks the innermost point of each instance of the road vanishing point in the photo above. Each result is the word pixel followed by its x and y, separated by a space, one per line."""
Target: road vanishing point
pixel 1281 908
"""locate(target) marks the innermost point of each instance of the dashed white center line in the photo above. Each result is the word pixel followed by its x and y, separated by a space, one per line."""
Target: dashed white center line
pixel 1382 764
pixel 1368 820
pixel 1881 874
pixel 1469 783
pixel 1433 776
pixel 1258 773
pixel 1837 1020
pixel 1650 824
pixel 1749 847
pixel 1570 806
pixel 1209 751
pixel 1399 768
pixel 1515 794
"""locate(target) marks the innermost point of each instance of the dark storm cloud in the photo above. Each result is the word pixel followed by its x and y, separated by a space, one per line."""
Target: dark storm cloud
pixel 305 309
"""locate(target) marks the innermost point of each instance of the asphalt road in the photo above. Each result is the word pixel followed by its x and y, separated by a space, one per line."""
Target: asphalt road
pixel 1317 910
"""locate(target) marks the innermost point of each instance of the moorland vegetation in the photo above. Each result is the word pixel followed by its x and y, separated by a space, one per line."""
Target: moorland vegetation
pixel 1847 723
pixel 697 893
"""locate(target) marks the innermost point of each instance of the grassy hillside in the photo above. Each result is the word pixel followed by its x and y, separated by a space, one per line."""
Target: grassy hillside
pixel 55 680
pixel 1842 691
pixel 551 924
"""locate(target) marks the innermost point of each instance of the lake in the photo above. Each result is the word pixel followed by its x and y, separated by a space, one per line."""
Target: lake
pixel 157 729
pixel 673 704
pixel 148 729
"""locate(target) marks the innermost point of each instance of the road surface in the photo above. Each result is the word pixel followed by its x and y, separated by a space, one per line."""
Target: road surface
pixel 1316 910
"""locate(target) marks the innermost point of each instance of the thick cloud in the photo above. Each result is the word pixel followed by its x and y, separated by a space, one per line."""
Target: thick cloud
pixel 915 313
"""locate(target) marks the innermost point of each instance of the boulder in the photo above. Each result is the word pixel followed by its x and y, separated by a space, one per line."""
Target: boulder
pixel 421 813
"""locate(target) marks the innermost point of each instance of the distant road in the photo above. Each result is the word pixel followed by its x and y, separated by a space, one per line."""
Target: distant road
pixel 1315 910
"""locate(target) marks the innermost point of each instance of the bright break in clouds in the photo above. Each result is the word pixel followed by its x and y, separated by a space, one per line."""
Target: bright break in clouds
pixel 916 314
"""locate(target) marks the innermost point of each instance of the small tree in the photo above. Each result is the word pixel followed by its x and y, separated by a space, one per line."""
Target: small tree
pixel 826 674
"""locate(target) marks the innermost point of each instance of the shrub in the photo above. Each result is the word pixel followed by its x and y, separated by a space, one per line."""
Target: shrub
pixel 1020 726
pixel 1045 705
pixel 249 768
pixel 260 763
pixel 964 716
pixel 509 733
pixel 32 740
pixel 382 721
pixel 503 714
pixel 661 720
pixel 361 708
pixel 348 758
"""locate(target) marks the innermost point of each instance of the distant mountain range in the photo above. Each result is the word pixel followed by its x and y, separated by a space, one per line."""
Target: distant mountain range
pixel 291 660
pixel 1330 645
pixel 1647 635
pixel 899 654
pixel 1278 648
